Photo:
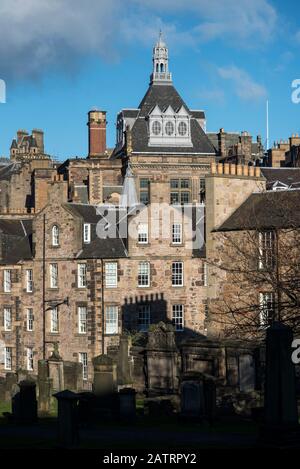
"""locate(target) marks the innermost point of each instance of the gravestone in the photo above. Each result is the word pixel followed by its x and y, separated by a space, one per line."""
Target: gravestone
pixel 192 399
pixel 67 419
pixel 11 381
pixel 281 414
pixel 127 402
pixel 44 387
pixel 162 360
pixel 246 373
pixel 56 369
pixel 24 403
pixel 105 375
pixel 73 377
pixel 123 369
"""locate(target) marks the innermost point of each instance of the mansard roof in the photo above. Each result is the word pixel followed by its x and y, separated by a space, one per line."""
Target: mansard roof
pixel 165 96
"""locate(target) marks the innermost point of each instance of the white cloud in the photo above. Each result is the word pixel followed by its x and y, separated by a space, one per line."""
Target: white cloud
pixel 244 86
pixel 36 35
pixel 250 22
pixel 216 95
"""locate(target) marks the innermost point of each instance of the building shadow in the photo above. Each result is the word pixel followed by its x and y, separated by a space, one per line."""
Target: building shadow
pixel 140 312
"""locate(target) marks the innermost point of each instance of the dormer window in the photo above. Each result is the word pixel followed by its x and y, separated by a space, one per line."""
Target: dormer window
pixel 169 127
pixel 182 128
pixel 156 128
pixel 55 235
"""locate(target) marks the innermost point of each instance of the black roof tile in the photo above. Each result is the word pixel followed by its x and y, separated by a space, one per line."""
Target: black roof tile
pixel 266 210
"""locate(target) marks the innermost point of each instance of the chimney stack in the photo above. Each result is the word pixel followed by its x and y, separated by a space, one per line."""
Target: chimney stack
pixel 39 137
pixel 20 135
pixel 97 133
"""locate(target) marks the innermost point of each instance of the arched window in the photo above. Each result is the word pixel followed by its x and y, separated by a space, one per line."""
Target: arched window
pixel 157 69
pixel 161 68
pixel 55 235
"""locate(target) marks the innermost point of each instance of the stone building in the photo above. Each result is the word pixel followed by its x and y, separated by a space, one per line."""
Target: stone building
pixel 233 147
pixel 255 268
pixel 285 153
pixel 62 281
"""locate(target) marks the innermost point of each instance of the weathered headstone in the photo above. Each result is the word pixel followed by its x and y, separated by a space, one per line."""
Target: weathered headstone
pixel 24 403
pixel 73 378
pixel 281 414
pixel 247 373
pixel 162 356
pixel 44 387
pixel 105 375
pixel 192 399
pixel 56 369
pixel 123 369
pixel 127 402
pixel 67 419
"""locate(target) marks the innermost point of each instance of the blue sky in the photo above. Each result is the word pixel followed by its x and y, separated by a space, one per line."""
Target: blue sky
pixel 60 59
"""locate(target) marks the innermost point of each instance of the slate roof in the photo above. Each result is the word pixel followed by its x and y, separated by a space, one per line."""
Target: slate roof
pixel 198 114
pixel 164 96
pixel 8 169
pixel 108 248
pixel 266 210
pixel 287 176
pixel 16 240
pixel 130 112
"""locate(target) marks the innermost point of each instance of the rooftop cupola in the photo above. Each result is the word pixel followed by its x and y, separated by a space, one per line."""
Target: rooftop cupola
pixel 161 74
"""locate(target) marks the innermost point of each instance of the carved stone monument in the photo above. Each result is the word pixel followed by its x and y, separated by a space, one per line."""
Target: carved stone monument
pixel 105 375
pixel 56 369
pixel 162 360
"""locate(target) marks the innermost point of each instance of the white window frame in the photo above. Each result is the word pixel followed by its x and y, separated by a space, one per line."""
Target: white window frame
pixel 81 276
pixel 7 318
pixel 111 274
pixel 83 359
pixel 7 280
pixel 55 235
pixel 144 317
pixel 143 233
pixel 178 317
pixel 29 280
pixel 87 233
pixel 111 319
pixel 29 319
pixel 144 274
pixel 177 274
pixel 265 298
pixel 177 233
pixel 53 272
pixel 8 358
pixel 54 320
pixel 29 358
pixel 82 319
pixel 266 242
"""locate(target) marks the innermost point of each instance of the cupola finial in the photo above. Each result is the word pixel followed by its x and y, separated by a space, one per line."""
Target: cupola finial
pixel 160 59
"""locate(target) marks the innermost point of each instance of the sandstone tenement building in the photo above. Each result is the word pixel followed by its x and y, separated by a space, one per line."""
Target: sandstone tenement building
pixel 61 282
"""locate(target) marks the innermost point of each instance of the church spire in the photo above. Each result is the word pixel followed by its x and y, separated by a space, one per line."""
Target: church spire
pixel 161 74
